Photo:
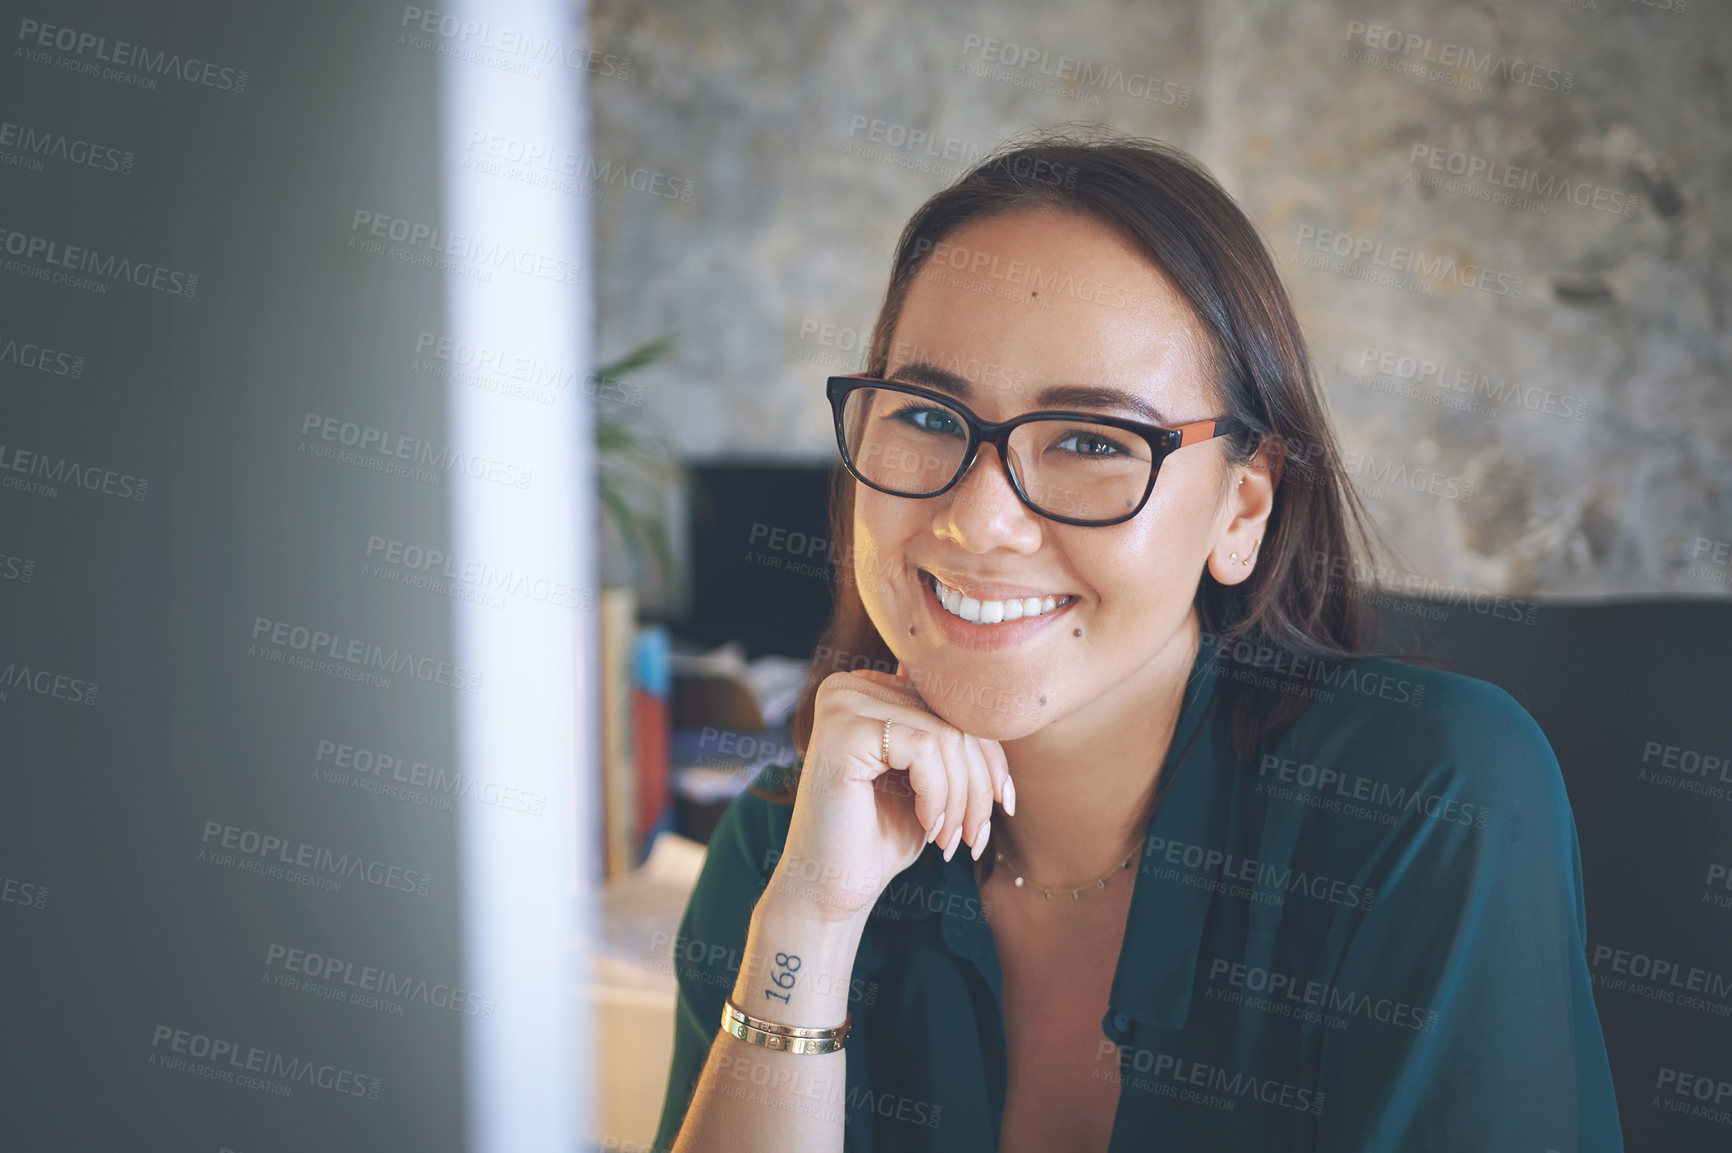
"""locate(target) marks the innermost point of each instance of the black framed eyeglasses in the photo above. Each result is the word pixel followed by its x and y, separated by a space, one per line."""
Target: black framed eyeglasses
pixel 1072 467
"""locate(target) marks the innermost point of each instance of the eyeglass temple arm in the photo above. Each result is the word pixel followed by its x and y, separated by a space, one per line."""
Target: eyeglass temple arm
pixel 1201 430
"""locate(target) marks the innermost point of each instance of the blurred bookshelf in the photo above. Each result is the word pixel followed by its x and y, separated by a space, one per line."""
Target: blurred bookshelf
pixel 730 665
pixel 693 705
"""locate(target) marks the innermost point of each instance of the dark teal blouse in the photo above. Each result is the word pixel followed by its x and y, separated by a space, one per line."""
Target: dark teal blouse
pixel 1372 938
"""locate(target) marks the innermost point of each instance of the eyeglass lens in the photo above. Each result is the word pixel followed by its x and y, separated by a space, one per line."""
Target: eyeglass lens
pixel 911 446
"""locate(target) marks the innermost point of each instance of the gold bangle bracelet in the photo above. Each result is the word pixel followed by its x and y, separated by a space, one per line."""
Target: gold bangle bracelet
pixel 783 1038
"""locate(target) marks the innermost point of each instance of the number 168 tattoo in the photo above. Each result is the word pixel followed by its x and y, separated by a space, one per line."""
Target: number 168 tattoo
pixel 786 965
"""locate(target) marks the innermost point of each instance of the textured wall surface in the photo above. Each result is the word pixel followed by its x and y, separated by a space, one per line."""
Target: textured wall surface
pixel 1532 305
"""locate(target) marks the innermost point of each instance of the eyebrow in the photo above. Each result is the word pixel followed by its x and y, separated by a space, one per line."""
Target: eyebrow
pixel 1053 396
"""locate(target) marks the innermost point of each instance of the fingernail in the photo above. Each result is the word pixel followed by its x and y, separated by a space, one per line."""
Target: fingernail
pixel 955 840
pixel 980 837
pixel 1010 796
pixel 932 829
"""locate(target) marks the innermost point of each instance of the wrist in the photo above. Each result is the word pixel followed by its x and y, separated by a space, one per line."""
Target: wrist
pixel 821 891
pixel 824 929
pixel 797 969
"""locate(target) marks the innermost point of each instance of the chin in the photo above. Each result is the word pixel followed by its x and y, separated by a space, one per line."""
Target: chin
pixel 980 707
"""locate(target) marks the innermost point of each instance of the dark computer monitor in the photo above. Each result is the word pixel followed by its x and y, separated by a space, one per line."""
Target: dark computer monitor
pixel 762 561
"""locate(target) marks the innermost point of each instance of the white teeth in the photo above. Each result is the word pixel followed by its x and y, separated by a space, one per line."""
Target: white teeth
pixel 992 612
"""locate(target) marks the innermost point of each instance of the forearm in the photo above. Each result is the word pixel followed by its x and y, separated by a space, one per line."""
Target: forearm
pixel 796 971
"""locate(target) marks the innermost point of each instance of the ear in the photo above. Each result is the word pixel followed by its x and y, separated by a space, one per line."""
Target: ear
pixel 1250 500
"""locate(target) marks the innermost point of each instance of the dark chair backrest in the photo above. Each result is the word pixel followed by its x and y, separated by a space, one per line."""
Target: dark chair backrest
pixel 1636 699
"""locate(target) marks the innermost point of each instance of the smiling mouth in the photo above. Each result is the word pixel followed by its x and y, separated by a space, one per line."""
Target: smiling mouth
pixel 979 612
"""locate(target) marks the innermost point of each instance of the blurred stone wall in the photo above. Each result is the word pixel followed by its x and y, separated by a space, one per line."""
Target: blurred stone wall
pixel 1503 225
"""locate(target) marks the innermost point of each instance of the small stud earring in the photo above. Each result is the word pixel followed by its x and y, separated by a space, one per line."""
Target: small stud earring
pixel 1247 558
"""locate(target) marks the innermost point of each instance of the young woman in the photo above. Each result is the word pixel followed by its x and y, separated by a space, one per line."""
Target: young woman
pixel 1138 847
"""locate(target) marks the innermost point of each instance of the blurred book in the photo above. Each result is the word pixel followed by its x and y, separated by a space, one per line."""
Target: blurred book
pixel 618 608
pixel 637 702
pixel 652 721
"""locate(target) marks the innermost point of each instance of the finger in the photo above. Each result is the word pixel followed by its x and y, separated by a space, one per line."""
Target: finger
pixel 996 770
pixel 878 750
pixel 919 741
pixel 916 751
pixel 978 823
pixel 1000 774
pixel 955 750
pixel 880 685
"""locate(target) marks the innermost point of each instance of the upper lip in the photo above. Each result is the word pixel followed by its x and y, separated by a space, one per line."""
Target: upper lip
pixel 986 590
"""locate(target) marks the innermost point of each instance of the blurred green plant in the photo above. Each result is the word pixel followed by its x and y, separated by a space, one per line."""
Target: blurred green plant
pixel 637 472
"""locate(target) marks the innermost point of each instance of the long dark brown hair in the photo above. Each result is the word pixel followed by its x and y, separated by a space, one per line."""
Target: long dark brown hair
pixel 1303 602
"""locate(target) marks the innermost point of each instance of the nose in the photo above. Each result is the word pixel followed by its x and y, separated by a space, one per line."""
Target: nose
pixel 983 511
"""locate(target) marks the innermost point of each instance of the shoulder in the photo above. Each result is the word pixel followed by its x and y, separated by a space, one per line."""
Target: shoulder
pixel 1396 759
pixel 1411 722
pixel 748 839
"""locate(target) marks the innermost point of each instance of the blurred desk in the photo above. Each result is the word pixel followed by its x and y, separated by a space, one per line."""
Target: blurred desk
pixel 631 991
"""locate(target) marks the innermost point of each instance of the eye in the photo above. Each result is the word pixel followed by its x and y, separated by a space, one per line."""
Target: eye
pixel 939 421
pixel 1089 444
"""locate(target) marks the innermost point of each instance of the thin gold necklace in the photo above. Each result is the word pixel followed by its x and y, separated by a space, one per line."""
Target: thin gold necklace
pixel 1076 893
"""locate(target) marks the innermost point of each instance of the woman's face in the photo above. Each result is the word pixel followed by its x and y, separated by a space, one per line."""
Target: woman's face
pixel 986 320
